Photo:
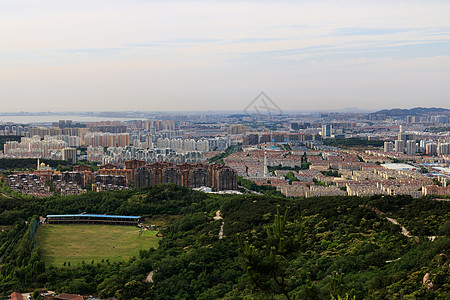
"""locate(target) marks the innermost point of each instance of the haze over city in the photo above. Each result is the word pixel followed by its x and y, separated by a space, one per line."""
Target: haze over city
pixel 216 55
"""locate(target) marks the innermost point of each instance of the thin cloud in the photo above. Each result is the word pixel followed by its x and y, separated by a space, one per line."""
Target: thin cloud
pixel 188 54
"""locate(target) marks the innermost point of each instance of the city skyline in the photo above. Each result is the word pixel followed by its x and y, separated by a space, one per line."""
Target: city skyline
pixel 202 56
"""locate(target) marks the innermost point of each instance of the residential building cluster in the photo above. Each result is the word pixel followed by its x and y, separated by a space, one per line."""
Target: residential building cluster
pixel 148 140
pixel 35 147
pixel 28 184
pixel 332 173
pixel 45 181
pixel 395 153
pixel 201 145
pixel 118 155
pixel 255 138
pixel 216 176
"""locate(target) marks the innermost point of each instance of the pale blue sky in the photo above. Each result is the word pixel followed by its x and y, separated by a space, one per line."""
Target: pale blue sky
pixel 218 55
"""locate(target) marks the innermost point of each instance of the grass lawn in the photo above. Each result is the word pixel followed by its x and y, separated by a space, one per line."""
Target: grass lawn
pixel 77 242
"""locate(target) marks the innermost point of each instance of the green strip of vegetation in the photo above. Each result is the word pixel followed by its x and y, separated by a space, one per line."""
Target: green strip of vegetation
pixel 264 189
pixel 438 129
pixel 331 173
pixel 304 166
pixel 31 163
pixel 219 157
pixel 352 142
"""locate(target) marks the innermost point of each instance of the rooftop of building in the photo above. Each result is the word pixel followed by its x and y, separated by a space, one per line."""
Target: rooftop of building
pixel 92 216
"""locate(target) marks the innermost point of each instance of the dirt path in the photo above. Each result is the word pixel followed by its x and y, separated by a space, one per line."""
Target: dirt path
pixel 219 217
pixel 149 277
pixel 405 231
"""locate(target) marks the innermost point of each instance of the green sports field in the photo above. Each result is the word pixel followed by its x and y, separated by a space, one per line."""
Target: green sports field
pixel 75 243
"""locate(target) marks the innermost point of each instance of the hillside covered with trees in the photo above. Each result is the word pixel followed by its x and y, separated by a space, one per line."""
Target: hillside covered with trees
pixel 315 248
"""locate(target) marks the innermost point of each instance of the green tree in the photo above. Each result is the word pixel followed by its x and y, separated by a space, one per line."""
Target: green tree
pixel 444 229
pixel 347 297
pixel 267 267
pixel 36 295
pixel 291 177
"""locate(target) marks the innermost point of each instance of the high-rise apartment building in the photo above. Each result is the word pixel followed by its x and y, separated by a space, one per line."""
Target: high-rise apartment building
pixel 399 146
pixel 431 149
pixel 388 147
pixel 411 147
pixel 405 136
pixel 69 154
pixel 104 139
pixel 327 130
pixel 444 148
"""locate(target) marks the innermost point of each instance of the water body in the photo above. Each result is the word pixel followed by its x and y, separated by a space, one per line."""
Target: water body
pixel 56 118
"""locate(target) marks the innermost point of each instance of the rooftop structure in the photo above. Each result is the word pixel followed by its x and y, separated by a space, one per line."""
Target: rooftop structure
pixel 397 167
pixel 93 219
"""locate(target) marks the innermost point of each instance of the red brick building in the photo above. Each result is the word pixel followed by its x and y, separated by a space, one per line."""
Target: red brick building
pixel 217 176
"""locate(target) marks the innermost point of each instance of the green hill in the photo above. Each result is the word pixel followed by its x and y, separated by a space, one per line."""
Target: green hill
pixel 328 246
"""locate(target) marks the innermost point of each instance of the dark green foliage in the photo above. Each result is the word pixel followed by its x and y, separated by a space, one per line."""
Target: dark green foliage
pixel 160 199
pixel 444 229
pixel 438 129
pixel 318 182
pixel 304 166
pixel 286 147
pixel 93 164
pixel 264 189
pixel 31 163
pixel 344 247
pixel 219 157
pixel 291 177
pixel 331 173
pixel 352 142
pixel 422 217
pixel 268 267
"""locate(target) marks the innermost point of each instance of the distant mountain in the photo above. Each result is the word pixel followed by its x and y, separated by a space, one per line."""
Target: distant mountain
pixel 354 110
pixel 417 111
pixel 350 110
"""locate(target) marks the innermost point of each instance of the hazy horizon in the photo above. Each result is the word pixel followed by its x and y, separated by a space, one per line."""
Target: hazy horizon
pixel 174 55
pixel 100 112
pixel 338 109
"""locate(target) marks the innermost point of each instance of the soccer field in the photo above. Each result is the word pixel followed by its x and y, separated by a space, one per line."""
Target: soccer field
pixel 75 243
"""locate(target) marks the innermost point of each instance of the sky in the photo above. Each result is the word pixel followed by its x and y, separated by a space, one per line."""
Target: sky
pixel 111 55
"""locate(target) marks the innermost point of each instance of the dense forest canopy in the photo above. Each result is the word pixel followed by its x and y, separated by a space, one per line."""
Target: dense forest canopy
pixel 340 246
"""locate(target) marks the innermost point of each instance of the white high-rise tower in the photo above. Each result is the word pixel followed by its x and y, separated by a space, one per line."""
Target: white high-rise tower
pixel 265 162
